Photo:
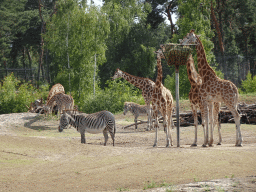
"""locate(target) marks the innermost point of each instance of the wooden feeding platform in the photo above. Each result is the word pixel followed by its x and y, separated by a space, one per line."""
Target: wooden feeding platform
pixel 177 54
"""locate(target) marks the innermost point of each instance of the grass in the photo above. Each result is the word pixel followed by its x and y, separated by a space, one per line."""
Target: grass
pixel 123 189
pixel 247 98
pixel 153 184
pixel 196 179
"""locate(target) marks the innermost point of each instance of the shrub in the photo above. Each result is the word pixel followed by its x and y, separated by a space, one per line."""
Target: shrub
pixel 249 85
pixel 112 98
pixel 15 95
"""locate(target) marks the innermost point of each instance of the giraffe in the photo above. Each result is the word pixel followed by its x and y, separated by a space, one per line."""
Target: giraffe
pixel 195 99
pixel 62 100
pixel 57 88
pixel 214 89
pixel 145 84
pixel 162 100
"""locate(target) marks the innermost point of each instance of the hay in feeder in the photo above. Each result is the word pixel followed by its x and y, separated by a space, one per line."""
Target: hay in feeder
pixel 176 54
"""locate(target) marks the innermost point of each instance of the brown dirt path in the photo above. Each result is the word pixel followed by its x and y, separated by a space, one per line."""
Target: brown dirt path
pixel 34 156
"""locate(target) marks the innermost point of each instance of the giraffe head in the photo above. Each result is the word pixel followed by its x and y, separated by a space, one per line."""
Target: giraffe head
pixel 190 38
pixel 117 74
pixel 159 54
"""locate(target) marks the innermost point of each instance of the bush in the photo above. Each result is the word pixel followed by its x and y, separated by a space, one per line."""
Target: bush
pixel 249 85
pixel 112 98
pixel 16 95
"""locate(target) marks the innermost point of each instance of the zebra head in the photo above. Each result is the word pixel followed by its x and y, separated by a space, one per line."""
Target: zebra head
pixel 63 122
pixel 126 107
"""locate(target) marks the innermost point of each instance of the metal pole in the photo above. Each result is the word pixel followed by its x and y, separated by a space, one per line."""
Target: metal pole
pixel 68 58
pixel 94 75
pixel 177 104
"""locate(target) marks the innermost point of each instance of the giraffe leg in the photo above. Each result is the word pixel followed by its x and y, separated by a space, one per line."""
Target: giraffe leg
pixel 105 133
pixel 237 121
pixel 169 121
pixel 166 128
pixel 219 131
pixel 194 111
pixel 205 127
pixel 217 120
pixel 210 143
pixel 149 127
pixel 156 128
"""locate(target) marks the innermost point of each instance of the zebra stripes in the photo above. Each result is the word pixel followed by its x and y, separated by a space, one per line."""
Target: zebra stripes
pixel 103 121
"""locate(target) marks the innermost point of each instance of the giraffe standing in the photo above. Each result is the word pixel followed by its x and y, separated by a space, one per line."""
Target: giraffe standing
pixel 214 89
pixel 57 88
pixel 195 99
pixel 146 85
pixel 162 100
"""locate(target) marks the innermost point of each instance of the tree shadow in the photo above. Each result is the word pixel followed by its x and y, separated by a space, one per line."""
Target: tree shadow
pixel 38 123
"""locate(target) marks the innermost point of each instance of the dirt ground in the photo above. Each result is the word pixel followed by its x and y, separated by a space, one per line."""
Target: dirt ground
pixel 34 156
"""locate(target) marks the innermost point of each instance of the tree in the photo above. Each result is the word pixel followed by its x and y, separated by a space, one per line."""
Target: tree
pixel 192 15
pixel 132 41
pixel 74 35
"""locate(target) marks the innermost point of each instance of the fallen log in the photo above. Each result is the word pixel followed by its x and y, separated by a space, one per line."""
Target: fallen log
pixel 138 123
pixel 247 113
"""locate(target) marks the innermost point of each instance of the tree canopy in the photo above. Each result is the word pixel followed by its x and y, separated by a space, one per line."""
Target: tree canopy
pixel 80 45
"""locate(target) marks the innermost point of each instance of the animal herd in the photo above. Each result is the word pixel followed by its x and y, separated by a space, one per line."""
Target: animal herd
pixel 206 93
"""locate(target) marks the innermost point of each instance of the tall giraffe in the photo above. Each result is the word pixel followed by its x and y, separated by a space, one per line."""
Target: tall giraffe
pixel 195 99
pixel 146 85
pixel 57 88
pixel 214 89
pixel 162 100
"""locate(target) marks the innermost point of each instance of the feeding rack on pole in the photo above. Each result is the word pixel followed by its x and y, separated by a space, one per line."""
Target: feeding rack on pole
pixel 177 54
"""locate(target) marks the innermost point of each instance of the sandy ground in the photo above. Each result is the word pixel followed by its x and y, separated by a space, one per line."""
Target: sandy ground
pixel 34 156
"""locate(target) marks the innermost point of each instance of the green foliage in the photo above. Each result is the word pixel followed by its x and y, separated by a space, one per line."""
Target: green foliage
pixel 192 16
pixel 16 95
pixel 132 40
pixel 249 85
pixel 112 98
pixel 74 35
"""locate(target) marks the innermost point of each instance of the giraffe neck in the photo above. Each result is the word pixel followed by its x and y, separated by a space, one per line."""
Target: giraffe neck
pixel 159 72
pixel 52 99
pixel 193 76
pixel 132 79
pixel 203 65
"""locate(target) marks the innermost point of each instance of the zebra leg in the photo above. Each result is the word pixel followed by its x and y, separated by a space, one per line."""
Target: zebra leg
pixel 105 133
pixel 135 120
pixel 113 137
pixel 83 138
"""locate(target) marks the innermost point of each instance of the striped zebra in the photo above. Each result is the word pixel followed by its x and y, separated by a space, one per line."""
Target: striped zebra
pixel 137 110
pixel 103 121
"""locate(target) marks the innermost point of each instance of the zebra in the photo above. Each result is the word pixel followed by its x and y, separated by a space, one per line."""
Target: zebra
pixel 137 110
pixel 103 121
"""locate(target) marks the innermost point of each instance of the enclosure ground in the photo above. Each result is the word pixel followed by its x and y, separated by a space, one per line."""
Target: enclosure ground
pixel 35 156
